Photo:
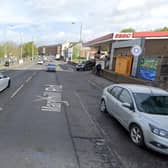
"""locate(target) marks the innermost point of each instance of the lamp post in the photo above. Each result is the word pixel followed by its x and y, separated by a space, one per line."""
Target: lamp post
pixel 80 36
pixel 81 29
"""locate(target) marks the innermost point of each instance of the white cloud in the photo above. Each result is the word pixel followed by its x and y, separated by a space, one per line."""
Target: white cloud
pixel 160 11
pixel 49 21
pixel 129 4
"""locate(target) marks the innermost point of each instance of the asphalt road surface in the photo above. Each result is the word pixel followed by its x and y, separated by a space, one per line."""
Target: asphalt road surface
pixel 52 120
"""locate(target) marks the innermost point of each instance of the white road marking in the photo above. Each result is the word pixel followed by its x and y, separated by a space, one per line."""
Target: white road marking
pixel 83 107
pixel 95 85
pixel 1 109
pixel 16 92
pixel 53 97
pixel 103 132
pixel 34 73
pixel 28 79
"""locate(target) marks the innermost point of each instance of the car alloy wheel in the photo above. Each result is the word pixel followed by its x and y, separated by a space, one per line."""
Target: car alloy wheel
pixel 136 135
pixel 103 107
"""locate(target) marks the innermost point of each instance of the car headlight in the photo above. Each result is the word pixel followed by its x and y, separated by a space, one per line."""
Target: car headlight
pixel 157 131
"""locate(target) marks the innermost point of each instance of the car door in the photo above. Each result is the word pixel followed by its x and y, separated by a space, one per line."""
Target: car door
pixel 125 111
pixel 2 83
pixel 112 100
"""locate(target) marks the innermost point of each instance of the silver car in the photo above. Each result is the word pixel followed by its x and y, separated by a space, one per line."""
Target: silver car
pixel 142 110
pixel 4 82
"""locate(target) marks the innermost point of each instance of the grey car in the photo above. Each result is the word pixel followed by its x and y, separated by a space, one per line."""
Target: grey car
pixel 51 67
pixel 142 110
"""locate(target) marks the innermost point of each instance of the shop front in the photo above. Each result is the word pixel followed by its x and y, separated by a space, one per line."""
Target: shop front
pixel 150 66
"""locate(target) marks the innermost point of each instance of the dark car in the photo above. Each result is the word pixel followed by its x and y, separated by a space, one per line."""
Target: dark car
pixel 85 65
pixel 6 63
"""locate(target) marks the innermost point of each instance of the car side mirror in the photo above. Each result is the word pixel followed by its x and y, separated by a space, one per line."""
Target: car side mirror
pixel 128 105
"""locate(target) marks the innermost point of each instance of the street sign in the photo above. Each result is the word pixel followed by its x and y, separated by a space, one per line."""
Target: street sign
pixel 136 50
pixel 122 36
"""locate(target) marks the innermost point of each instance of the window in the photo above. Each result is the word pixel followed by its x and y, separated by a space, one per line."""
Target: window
pixel 152 104
pixel 115 91
pixel 125 97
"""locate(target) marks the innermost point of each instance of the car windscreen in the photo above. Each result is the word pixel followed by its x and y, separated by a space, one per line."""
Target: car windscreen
pixel 152 104
pixel 51 64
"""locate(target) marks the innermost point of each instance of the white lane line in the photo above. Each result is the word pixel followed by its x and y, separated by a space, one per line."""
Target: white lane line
pixel 113 153
pixel 16 92
pixel 1 108
pixel 28 79
pixel 95 85
pixel 83 107
pixel 34 73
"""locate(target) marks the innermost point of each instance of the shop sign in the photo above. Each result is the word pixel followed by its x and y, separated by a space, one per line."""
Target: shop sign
pixel 148 68
pixel 122 36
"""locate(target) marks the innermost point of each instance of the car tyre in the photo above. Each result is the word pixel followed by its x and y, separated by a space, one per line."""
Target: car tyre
pixel 9 83
pixel 136 135
pixel 103 108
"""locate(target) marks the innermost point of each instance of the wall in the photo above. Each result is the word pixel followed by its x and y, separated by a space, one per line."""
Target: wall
pixel 156 47
pixel 122 51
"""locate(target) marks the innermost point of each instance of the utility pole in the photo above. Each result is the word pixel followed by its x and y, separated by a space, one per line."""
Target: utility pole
pixel 80 36
pixel 21 48
pixel 32 49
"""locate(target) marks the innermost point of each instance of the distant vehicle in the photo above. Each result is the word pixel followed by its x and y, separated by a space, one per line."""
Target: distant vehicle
pixel 4 82
pixel 85 65
pixel 51 67
pixel 58 57
pixel 40 62
pixel 44 58
pixel 7 63
pixel 142 110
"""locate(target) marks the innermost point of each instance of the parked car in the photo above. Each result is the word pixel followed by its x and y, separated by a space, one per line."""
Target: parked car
pixel 57 57
pixel 51 67
pixel 40 62
pixel 4 82
pixel 85 65
pixel 7 63
pixel 142 110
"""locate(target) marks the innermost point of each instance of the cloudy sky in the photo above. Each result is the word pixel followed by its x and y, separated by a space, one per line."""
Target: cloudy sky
pixel 50 21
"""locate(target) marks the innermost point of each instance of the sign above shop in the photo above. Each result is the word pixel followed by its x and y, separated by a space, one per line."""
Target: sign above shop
pixel 136 50
pixel 122 36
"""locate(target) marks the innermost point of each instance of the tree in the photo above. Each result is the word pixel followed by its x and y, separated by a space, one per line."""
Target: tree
pixel 127 30
pixel 76 51
pixel 162 29
pixel 27 49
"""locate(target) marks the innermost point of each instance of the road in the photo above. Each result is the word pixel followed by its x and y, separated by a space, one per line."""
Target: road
pixel 52 120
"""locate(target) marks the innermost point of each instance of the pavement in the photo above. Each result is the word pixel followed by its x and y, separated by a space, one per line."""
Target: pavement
pixel 52 120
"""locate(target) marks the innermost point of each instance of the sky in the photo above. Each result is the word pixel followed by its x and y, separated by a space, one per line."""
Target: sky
pixel 50 21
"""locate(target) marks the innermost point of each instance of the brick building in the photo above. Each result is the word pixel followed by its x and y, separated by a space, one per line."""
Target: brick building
pixel 50 49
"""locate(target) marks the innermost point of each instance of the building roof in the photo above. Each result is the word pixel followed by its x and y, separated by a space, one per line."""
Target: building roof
pixel 105 38
pixel 109 37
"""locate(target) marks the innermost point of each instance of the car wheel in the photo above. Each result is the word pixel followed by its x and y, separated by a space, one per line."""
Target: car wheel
pixel 9 83
pixel 103 108
pixel 136 135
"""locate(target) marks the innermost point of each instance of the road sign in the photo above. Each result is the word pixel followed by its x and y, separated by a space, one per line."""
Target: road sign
pixel 136 50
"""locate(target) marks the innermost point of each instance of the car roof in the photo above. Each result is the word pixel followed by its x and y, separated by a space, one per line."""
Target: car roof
pixel 51 64
pixel 142 89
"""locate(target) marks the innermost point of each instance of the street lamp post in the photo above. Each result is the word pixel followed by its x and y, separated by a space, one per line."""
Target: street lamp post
pixel 80 35
pixel 32 49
